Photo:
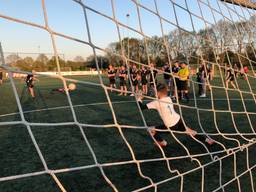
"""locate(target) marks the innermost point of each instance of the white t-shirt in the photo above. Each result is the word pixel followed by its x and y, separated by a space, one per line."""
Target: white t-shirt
pixel 164 106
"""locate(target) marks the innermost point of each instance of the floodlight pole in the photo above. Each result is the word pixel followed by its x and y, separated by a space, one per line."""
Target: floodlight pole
pixel 128 46
pixel 1 55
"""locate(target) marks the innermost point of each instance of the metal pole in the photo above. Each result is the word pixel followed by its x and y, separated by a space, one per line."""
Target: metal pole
pixel 128 46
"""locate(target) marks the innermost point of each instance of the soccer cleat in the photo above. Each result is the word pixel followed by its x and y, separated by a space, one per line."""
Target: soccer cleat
pixel 203 95
pixel 209 141
pixel 162 143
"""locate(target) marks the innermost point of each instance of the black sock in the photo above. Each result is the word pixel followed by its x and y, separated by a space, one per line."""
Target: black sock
pixel 158 137
pixel 200 138
pixel 179 95
pixel 186 96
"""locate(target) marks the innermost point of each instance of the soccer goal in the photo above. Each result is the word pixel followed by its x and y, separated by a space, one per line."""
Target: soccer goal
pixel 80 133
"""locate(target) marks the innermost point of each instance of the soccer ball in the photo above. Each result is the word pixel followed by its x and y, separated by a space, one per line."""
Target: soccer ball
pixel 72 86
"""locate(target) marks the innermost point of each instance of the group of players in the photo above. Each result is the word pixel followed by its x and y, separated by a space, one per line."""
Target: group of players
pixel 141 76
pixel 174 76
pixel 176 79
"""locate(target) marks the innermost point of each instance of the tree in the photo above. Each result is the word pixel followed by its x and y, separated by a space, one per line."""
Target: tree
pixel 29 61
pixel 11 59
pixel 52 63
pixel 102 62
pixel 42 58
pixel 79 59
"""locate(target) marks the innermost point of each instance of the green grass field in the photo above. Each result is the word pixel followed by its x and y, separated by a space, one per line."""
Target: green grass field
pixel 63 146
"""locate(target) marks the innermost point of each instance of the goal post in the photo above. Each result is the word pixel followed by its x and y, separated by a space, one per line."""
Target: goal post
pixel 108 139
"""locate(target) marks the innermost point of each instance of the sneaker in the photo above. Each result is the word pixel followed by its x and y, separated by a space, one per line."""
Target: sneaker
pixel 162 143
pixel 209 141
pixel 132 95
pixel 203 95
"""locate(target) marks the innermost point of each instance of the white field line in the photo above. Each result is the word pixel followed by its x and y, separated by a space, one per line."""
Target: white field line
pixel 106 103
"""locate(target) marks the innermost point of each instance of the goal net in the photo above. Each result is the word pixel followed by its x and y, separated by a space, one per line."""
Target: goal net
pixel 91 139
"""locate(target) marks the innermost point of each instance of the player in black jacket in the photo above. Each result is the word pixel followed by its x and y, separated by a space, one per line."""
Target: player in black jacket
pixel 112 77
pixel 30 79
pixel 122 80
pixel 230 76
pixel 144 79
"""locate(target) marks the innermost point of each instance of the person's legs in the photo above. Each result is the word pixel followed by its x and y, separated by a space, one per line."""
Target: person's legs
pixel 227 81
pixel 233 84
pixel 185 90
pixel 125 90
pixel 181 91
pixel 31 91
pixel 156 135
pixel 180 126
pixel 203 84
pixel 199 88
pixel 137 88
pixel 133 88
pixel 122 89
pixel 144 89
pixel 121 83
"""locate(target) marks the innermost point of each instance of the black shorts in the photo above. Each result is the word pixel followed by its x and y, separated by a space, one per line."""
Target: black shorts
pixel 230 78
pixel 144 81
pixel 122 82
pixel 178 127
pixel 135 82
pixel 183 85
pixel 30 85
pixel 177 81
pixel 112 81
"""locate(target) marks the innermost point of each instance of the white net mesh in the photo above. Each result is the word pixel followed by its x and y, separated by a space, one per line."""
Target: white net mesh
pixel 214 31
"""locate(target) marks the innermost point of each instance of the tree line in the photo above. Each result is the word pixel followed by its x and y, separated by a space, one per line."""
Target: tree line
pixel 225 42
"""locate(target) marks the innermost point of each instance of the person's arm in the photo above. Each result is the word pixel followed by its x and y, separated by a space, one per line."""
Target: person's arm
pixel 111 75
pixel 150 105
pixel 142 105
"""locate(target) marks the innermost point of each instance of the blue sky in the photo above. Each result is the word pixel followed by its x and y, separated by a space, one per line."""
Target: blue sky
pixel 66 16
